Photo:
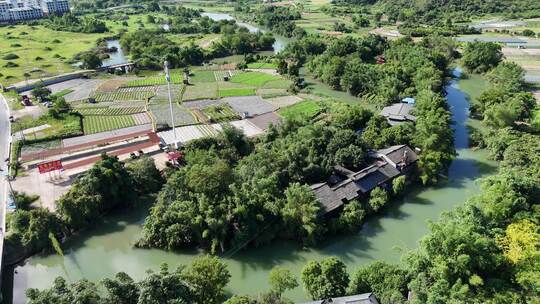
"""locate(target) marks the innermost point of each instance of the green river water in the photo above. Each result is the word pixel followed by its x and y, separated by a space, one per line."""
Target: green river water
pixel 108 249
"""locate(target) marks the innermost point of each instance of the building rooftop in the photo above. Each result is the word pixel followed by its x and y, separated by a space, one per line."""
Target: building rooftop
pixel 346 185
pixel 398 113
pixel 365 298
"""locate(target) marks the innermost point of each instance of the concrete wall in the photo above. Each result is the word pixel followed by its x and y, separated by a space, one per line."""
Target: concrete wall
pixel 49 81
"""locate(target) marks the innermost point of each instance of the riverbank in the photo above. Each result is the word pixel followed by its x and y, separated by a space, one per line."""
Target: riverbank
pixel 108 249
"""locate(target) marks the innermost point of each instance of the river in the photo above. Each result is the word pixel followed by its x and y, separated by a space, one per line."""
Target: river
pixel 117 57
pixel 108 249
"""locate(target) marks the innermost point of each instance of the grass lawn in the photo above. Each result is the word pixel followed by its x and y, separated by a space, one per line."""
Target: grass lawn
pixel 94 124
pixel 207 90
pixel 37 54
pixel 305 109
pixel 236 92
pixel 253 78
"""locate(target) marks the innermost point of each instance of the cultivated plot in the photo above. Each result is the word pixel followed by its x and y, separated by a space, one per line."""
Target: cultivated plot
pixel 162 115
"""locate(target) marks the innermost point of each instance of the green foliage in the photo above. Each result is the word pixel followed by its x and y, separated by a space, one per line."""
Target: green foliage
pixel 23 200
pixel 146 177
pixel 300 213
pixel 31 228
pixel 281 279
pixel 279 19
pixel 90 60
pixel 202 282
pixel 504 103
pixel 107 185
pixel 231 194
pixel 480 57
pixel 325 279
pixel 387 281
pixel 208 276
pixel 71 23
pixel 351 218
pixel 378 198
pixel 41 92
pixel 398 185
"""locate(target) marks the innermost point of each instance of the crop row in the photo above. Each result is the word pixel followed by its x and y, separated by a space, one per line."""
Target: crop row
pixel 123 96
pixel 96 124
pixel 108 111
pixel 219 113
pixel 176 78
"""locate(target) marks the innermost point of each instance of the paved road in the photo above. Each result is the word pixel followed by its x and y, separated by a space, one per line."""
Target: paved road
pixel 4 153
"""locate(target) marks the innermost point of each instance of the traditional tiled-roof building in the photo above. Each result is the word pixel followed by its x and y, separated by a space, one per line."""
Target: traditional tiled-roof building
pixel 346 185
pixel 365 298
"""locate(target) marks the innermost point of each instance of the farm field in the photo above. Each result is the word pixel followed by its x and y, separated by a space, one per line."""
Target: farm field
pixel 262 65
pixel 95 124
pixel 201 76
pixel 40 52
pixel 162 114
pixel 123 96
pixel 220 75
pixel 253 78
pixel 176 78
pixel 236 92
pixel 219 113
pixel 109 111
pixel 305 109
pixel 208 90
pixel 162 94
pixel 277 84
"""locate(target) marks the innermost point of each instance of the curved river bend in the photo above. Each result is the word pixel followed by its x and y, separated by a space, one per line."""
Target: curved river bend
pixel 108 249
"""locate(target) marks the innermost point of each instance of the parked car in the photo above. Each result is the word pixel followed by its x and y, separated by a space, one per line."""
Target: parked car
pixel 11 119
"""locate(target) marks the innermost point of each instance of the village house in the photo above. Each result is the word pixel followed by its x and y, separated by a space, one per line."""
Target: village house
pixel 398 113
pixel 365 298
pixel 345 185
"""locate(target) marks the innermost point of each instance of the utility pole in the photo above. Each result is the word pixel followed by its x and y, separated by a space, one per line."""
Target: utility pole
pixel 168 78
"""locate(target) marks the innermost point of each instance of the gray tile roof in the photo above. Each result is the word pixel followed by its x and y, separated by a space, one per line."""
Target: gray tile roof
pixel 398 113
pixel 365 298
pixel 398 154
pixel 349 185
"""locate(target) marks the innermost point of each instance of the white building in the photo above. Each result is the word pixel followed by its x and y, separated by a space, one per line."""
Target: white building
pixel 5 6
pixel 25 13
pixel 19 10
pixel 54 7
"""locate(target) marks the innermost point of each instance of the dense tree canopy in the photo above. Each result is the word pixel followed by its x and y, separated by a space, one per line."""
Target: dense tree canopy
pixel 480 57
pixel 201 282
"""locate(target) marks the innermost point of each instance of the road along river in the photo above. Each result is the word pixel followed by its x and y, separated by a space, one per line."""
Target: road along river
pixel 108 249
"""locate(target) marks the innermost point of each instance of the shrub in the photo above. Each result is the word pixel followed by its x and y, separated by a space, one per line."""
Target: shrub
pixel 378 198
pixel 10 56
pixel 398 185
pixel 10 64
